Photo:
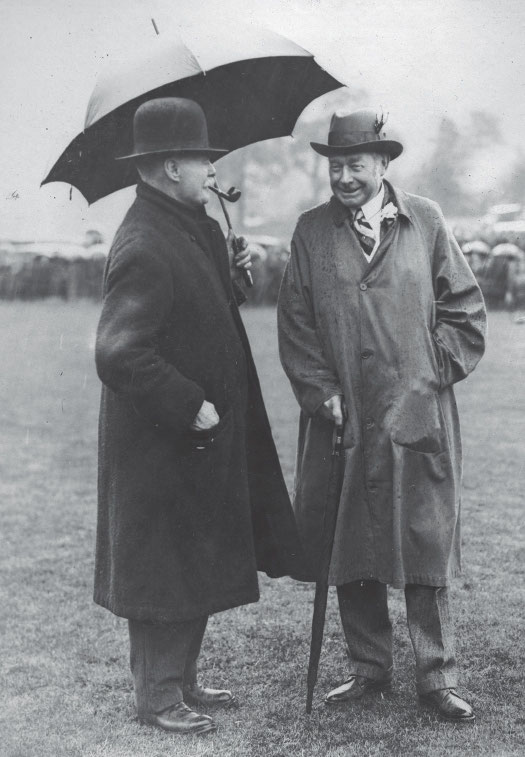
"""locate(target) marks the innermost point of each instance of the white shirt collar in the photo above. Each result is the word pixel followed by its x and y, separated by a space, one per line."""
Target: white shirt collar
pixel 373 206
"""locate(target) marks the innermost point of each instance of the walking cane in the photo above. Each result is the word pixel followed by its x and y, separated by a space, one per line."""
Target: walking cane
pixel 335 483
pixel 232 195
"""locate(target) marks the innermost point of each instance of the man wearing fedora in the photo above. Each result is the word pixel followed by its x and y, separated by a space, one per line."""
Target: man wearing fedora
pixel 192 501
pixel 379 315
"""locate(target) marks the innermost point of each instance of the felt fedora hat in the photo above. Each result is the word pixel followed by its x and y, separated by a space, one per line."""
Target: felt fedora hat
pixel 360 131
pixel 170 124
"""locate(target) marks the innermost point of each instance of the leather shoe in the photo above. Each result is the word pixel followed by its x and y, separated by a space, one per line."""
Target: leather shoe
pixel 197 694
pixel 448 705
pixel 355 687
pixel 180 719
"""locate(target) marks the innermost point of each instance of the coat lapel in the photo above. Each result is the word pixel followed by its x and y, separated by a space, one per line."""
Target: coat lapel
pixel 347 250
pixel 388 230
pixel 343 217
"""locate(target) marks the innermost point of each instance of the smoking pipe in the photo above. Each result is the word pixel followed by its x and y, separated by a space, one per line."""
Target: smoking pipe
pixel 232 195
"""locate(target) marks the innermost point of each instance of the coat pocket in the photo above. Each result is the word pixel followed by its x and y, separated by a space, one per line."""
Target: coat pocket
pixel 421 466
pixel 201 440
pixel 425 512
pixel 207 473
pixel 418 425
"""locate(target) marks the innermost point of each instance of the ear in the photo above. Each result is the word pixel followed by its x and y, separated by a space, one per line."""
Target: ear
pixel 385 161
pixel 172 169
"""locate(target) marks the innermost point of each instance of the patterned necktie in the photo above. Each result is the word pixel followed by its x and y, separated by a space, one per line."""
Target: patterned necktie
pixel 364 232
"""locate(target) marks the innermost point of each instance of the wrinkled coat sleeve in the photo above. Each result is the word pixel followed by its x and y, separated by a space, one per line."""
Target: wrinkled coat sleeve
pixel 137 300
pixel 459 333
pixel 302 357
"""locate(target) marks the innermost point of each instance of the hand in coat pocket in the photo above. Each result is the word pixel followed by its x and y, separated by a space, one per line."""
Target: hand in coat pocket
pixel 203 439
pixel 333 409
pixel 206 418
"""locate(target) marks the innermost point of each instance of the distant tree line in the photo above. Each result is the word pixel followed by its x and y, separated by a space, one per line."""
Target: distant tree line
pixel 280 178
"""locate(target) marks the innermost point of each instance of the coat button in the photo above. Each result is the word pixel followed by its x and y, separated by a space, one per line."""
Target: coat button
pixel 366 354
pixel 193 238
pixel 363 287
pixel 369 423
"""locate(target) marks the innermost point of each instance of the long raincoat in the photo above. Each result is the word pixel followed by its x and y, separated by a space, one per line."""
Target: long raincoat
pixel 185 518
pixel 392 336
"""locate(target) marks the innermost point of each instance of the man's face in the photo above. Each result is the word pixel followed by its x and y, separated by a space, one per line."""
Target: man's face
pixel 356 179
pixel 196 175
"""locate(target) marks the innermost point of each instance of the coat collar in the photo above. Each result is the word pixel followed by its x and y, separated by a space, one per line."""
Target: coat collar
pixel 195 224
pixel 189 219
pixel 397 196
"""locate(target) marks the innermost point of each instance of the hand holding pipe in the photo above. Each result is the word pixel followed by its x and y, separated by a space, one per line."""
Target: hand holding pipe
pixel 232 195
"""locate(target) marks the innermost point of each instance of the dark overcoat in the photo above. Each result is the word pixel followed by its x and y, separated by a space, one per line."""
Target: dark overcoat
pixel 392 336
pixel 185 518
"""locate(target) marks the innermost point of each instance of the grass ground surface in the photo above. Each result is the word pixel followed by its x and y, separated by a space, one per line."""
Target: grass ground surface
pixel 66 690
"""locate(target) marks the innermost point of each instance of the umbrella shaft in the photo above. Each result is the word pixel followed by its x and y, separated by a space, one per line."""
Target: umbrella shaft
pixel 247 276
pixel 226 214
pixel 321 588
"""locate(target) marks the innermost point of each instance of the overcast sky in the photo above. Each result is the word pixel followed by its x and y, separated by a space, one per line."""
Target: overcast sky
pixel 419 59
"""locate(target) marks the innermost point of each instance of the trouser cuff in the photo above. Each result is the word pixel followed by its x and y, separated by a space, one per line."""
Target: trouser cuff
pixel 159 703
pixel 372 672
pixel 159 657
pixel 436 681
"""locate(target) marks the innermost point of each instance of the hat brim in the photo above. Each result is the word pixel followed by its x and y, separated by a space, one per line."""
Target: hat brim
pixel 388 146
pixel 177 150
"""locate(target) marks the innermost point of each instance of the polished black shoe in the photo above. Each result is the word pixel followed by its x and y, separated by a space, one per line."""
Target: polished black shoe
pixel 180 719
pixel 208 697
pixel 355 687
pixel 448 705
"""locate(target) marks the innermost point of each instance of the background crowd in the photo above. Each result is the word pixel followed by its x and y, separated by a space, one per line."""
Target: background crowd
pixel 493 246
pixel 281 178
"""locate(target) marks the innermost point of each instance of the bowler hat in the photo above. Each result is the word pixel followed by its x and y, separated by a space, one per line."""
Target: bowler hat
pixel 360 131
pixel 170 124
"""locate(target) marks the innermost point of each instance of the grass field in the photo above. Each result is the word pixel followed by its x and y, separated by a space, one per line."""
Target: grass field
pixel 66 689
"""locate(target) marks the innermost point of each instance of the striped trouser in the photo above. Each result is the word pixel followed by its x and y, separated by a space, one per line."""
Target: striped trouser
pixel 368 632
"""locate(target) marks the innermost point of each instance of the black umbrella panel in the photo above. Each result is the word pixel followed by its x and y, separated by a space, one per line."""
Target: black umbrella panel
pixel 245 102
pixel 321 587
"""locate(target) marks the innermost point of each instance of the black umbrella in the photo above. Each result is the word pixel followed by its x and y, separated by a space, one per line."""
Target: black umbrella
pixel 335 484
pixel 251 83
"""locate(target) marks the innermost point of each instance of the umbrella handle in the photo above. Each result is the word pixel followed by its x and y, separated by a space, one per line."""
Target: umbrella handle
pixel 246 274
pixel 337 449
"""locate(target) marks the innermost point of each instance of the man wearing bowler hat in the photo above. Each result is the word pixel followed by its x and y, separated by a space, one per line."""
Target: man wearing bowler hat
pixel 379 315
pixel 192 501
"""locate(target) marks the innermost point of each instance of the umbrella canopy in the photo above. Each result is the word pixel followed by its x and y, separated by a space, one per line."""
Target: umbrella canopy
pixel 477 246
pixel 252 84
pixel 507 250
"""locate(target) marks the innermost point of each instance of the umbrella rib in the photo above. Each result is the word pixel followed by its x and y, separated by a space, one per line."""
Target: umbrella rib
pixel 192 53
pixel 245 101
